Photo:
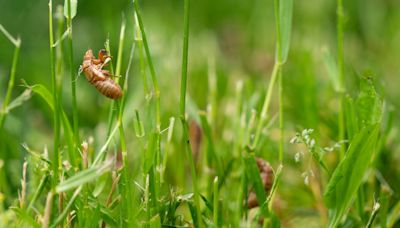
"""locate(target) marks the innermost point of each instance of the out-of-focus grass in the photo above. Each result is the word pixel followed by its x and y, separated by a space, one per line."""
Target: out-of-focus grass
pixel 232 40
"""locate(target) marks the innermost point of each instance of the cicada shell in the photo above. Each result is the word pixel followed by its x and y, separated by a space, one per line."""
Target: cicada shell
pixel 267 177
pixel 101 79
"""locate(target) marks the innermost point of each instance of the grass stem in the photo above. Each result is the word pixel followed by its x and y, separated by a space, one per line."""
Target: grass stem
pixel 73 77
pixel 186 140
pixel 17 44
pixel 56 112
pixel 267 101
pixel 216 202
pixel 151 65
pixel 340 60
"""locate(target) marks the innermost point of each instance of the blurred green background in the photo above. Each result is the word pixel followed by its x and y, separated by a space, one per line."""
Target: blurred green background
pixel 238 37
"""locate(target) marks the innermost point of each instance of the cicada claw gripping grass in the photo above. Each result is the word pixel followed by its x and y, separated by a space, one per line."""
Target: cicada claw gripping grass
pixel 101 79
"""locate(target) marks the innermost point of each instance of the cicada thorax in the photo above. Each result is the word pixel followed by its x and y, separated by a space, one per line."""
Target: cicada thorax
pixel 98 77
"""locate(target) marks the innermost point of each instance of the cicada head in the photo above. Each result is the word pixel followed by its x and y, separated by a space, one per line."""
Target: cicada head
pixel 104 57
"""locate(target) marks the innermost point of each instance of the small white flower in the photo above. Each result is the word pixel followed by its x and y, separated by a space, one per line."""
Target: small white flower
pixel 312 143
pixel 306 180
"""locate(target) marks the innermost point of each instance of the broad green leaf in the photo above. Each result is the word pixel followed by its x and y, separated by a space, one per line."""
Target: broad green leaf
pixel 74 6
pixel 83 177
pixel 285 17
pixel 369 105
pixel 348 175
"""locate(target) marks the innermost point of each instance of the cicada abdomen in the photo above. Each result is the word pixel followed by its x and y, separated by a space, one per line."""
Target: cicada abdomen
pixel 109 88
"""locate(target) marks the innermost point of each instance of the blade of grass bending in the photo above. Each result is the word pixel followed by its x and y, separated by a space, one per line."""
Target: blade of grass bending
pixel 38 192
pixel 84 176
pixel 16 42
pixel 104 147
pixel 61 217
pixel 18 101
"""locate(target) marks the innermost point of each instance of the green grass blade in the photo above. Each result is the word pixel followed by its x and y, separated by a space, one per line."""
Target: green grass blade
pixel 285 17
pixel 83 177
pixel 150 155
pixel 61 217
pixel 15 41
pixel 216 201
pixel 394 215
pixel 104 147
pixel 212 157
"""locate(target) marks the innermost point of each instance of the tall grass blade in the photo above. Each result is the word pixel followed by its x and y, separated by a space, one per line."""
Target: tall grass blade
pixel 70 8
pixel 285 17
